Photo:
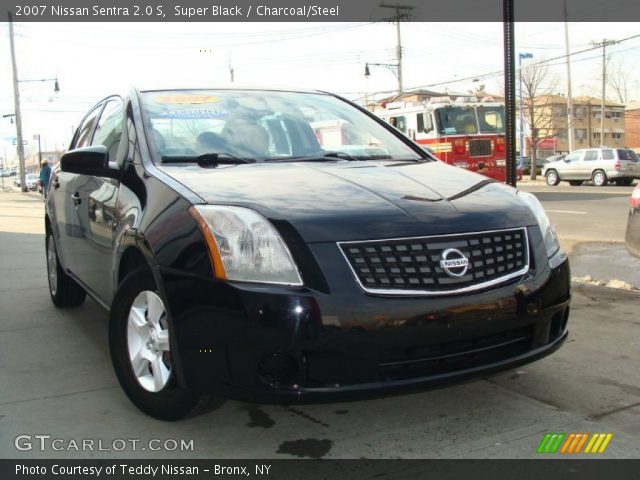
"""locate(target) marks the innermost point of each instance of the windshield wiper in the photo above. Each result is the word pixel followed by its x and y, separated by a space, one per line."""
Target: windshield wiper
pixel 321 157
pixel 207 159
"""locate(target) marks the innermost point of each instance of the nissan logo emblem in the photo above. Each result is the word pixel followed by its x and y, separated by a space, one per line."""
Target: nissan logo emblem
pixel 454 263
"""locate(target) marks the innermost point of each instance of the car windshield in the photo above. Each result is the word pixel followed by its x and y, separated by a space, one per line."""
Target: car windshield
pixel 470 119
pixel 260 125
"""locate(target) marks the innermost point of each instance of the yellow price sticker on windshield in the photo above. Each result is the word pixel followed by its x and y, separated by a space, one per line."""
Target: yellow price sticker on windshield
pixel 186 99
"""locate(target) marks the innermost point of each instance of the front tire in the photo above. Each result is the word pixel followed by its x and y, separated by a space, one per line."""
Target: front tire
pixel 140 345
pixel 64 290
pixel 599 178
pixel 552 178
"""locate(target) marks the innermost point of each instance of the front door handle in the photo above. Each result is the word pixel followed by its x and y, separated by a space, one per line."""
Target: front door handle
pixel 75 198
pixel 55 183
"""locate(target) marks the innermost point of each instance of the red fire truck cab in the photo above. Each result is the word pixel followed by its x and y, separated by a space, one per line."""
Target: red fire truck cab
pixel 468 133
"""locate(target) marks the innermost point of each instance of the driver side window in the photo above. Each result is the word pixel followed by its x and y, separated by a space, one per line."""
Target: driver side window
pixel 574 157
pixel 109 129
pixel 86 129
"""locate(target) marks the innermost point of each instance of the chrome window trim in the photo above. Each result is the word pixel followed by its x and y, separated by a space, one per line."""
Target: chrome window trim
pixel 470 288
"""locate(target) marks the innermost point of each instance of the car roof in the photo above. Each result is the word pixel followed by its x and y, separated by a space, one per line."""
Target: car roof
pixel 231 86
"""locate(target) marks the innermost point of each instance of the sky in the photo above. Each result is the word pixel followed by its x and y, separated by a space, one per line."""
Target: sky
pixel 92 60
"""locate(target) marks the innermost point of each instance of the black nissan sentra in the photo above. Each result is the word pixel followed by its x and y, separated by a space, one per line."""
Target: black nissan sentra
pixel 289 246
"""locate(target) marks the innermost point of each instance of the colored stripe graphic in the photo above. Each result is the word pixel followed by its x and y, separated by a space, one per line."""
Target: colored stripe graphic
pixel 551 442
pixel 598 443
pixel 572 443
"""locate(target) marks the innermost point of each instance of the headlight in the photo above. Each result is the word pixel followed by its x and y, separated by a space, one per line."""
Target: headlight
pixel 244 246
pixel 548 232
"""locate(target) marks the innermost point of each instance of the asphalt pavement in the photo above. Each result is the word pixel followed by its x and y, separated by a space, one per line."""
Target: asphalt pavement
pixel 56 378
pixel 591 223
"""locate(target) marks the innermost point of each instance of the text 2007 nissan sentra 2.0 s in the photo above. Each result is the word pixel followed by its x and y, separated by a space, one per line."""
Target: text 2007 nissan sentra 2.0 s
pixel 283 246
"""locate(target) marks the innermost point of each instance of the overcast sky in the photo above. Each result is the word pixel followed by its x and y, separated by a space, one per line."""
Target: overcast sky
pixel 92 60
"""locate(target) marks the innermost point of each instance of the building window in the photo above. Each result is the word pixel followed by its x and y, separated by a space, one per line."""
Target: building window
pixel 560 111
pixel 596 135
pixel 581 133
pixel 580 113
pixel 616 136
pixel 562 134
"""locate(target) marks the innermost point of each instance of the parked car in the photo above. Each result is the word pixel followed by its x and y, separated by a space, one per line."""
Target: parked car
pixel 632 236
pixel 244 253
pixel 31 180
pixel 599 165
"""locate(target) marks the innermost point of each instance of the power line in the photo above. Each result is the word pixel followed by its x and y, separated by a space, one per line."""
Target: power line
pixel 498 73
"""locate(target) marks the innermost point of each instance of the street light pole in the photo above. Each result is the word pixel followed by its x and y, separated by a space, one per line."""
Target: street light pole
pixel 16 99
pixel 520 57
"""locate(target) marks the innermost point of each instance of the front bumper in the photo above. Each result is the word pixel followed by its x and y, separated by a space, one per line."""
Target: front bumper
pixel 280 345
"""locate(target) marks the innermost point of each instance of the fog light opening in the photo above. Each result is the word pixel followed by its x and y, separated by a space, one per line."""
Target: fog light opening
pixel 556 326
pixel 565 319
pixel 278 369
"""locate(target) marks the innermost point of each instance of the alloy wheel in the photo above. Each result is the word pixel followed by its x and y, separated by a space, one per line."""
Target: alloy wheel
pixel 148 341
pixel 52 265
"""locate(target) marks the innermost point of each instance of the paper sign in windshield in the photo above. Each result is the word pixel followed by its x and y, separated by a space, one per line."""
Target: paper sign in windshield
pixel 185 99
pixel 194 113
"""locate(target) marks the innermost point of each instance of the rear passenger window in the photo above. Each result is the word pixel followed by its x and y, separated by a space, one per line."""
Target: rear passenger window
pixel 591 155
pixel 607 154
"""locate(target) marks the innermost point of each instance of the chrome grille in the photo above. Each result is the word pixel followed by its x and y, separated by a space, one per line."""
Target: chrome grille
pixel 412 266
pixel 479 148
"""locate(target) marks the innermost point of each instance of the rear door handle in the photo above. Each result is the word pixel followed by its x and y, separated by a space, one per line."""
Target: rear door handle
pixel 75 198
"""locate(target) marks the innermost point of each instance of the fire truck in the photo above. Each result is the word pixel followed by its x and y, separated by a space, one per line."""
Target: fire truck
pixel 468 132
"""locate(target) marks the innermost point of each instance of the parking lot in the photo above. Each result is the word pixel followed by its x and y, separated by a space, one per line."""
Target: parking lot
pixel 57 377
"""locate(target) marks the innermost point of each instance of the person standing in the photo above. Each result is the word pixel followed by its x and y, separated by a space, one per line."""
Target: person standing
pixel 45 174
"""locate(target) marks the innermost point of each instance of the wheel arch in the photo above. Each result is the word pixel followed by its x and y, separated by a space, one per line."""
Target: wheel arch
pixel 134 253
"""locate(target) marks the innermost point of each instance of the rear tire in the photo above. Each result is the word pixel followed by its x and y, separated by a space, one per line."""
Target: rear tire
pixel 575 183
pixel 623 182
pixel 599 178
pixel 64 290
pixel 552 178
pixel 141 352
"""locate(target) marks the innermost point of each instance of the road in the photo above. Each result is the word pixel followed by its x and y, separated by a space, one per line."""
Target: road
pixel 585 213
pixel 56 379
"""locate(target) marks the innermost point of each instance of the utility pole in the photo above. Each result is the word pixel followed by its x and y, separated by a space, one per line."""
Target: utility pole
pixel 401 14
pixel 603 44
pixel 16 99
pixel 231 72
pixel 570 125
pixel 509 92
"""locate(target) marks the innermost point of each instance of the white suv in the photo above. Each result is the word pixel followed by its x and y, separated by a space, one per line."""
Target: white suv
pixel 600 165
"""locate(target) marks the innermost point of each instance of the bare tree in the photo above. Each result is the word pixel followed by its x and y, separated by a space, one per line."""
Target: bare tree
pixel 619 80
pixel 538 86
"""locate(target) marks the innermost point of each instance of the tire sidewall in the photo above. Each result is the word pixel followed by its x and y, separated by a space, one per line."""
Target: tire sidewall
pixel 555 174
pixel 172 402
pixel 49 239
pixel 595 175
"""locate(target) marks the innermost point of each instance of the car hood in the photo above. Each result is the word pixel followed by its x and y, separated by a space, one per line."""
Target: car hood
pixel 341 201
pixel 557 163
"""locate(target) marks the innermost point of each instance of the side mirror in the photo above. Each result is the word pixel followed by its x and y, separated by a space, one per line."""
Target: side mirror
pixel 89 161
